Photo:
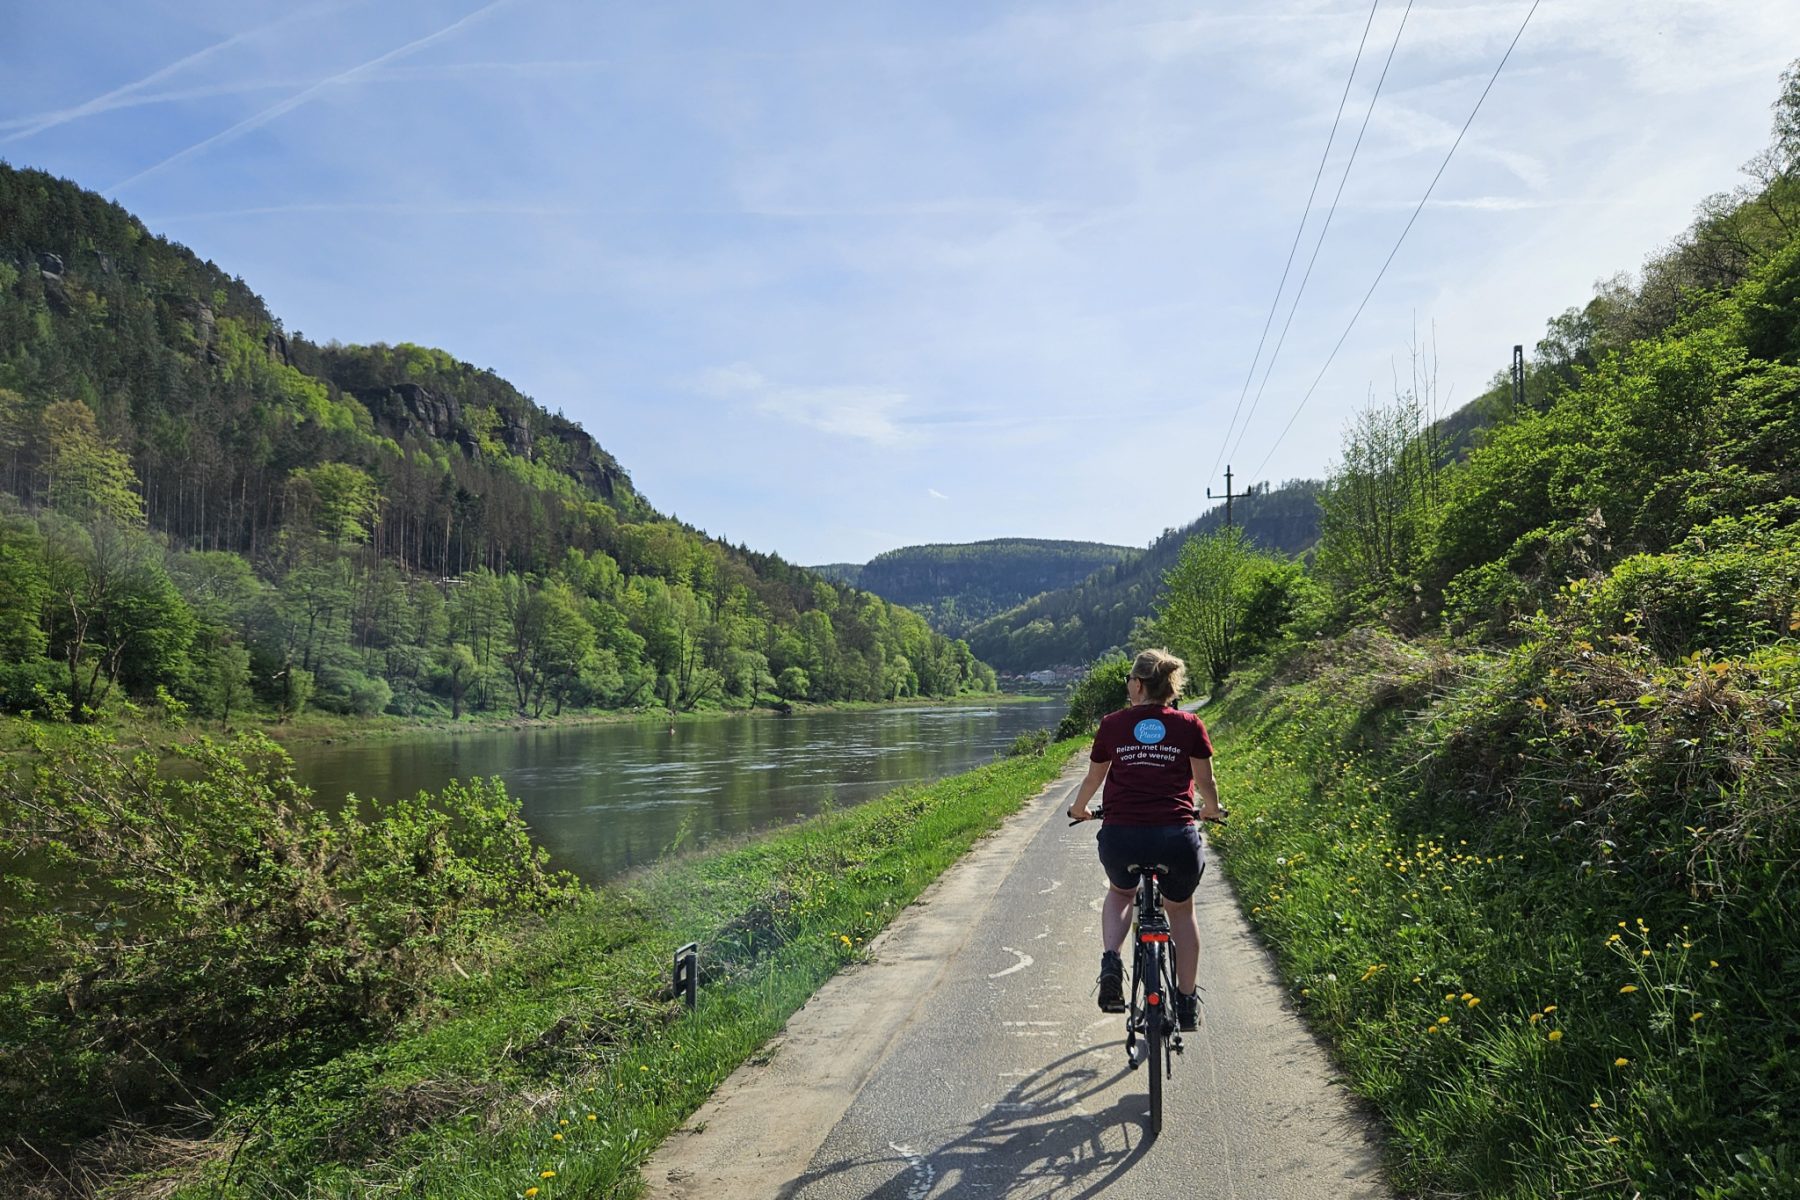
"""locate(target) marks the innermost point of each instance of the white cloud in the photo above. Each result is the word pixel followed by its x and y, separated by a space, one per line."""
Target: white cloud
pixel 861 413
pixel 935 494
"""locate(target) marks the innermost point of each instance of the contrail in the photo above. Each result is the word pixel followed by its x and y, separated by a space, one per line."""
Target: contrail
pixel 288 105
pixel 28 126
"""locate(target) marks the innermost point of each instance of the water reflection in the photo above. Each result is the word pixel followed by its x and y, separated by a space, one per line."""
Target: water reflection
pixel 608 797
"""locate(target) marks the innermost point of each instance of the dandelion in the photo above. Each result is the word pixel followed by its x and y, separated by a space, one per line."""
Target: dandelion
pixel 1417 978
pixel 565 1122
pixel 1645 952
pixel 844 939
pixel 546 1174
pixel 1549 1008
pixel 1466 996
pixel 643 1068
pixel 1306 991
pixel 1536 1017
pixel 1713 963
pixel 1595 1104
pixel 1628 989
pixel 1696 1016
pixel 1443 1020
pixel 1621 1062
pixel 1449 995
pixel 1612 1141
pixel 1474 1000
pixel 592 1117
pixel 1556 1035
pixel 556 1137
pixel 531 1191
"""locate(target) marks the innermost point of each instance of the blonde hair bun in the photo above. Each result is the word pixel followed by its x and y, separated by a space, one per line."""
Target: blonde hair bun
pixel 1161 673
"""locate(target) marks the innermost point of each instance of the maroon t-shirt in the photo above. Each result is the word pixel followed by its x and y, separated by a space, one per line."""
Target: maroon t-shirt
pixel 1151 781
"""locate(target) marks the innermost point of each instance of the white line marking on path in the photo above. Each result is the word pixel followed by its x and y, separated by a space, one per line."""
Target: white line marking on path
pixel 924 1176
pixel 1025 960
pixel 1054 884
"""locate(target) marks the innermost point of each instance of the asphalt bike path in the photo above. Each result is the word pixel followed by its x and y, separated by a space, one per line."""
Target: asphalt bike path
pixel 967 1058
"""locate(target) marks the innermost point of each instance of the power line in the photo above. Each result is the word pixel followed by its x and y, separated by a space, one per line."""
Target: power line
pixel 1324 229
pixel 1402 238
pixel 1275 303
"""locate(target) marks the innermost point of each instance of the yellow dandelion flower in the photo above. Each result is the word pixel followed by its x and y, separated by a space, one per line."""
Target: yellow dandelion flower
pixel 592 1117
pixel 1628 989
pixel 643 1068
pixel 1712 963
pixel 1306 991
pixel 1645 952
pixel 1621 924
pixel 1621 1062
pixel 1449 995
pixel 531 1191
pixel 546 1174
pixel 1611 1141
pixel 1696 1016
pixel 1474 1000
pixel 842 938
pixel 1536 1017
pixel 1431 1029
pixel 1417 978
pixel 1556 1035
pixel 556 1137
pixel 565 1121
pixel 1443 1020
pixel 1549 1008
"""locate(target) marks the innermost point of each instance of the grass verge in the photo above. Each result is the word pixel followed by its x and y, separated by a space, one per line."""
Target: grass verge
pixel 559 1067
pixel 1557 984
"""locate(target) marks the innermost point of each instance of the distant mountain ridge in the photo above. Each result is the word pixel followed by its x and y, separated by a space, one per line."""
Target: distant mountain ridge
pixel 957 585
pixel 1080 622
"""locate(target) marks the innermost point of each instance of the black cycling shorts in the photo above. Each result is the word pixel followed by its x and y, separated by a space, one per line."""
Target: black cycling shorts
pixel 1176 847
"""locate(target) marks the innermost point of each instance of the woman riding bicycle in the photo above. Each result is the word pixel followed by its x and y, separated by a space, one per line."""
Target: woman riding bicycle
pixel 1153 758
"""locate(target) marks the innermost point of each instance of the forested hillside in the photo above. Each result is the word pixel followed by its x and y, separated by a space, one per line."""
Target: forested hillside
pixel 1077 624
pixel 957 586
pixel 1514 782
pixel 204 508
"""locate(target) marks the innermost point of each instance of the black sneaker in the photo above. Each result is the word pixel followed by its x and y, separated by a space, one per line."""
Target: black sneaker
pixel 1187 1011
pixel 1112 983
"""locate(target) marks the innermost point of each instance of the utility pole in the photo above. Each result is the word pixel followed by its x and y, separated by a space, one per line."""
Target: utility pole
pixel 1227 497
pixel 1518 378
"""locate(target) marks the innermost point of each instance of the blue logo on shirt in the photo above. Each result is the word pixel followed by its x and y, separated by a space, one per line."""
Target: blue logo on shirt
pixel 1149 731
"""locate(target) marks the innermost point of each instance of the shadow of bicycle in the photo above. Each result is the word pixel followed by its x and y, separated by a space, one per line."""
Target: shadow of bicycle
pixel 1038 1140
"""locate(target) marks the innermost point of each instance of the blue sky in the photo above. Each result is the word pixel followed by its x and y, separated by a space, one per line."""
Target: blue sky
pixel 833 278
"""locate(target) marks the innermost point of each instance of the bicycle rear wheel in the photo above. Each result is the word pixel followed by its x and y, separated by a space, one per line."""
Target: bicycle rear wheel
pixel 1156 1033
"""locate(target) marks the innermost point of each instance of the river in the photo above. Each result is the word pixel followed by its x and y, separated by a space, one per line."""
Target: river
pixel 605 798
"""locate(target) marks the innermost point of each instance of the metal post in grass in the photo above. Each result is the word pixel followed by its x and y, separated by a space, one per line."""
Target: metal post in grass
pixel 687 973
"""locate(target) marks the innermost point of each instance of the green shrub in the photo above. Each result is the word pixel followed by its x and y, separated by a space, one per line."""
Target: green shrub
pixel 163 932
pixel 1031 744
pixel 1101 690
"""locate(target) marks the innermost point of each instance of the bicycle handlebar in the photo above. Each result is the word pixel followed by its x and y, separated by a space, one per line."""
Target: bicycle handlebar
pixel 1094 814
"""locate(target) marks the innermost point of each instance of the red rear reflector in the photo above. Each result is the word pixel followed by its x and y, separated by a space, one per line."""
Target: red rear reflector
pixel 1153 998
pixel 1153 937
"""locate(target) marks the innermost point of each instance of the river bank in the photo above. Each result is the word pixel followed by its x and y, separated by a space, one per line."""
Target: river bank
pixel 148 727
pixel 560 1063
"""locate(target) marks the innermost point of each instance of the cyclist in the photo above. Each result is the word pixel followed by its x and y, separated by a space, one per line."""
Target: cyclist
pixel 1153 758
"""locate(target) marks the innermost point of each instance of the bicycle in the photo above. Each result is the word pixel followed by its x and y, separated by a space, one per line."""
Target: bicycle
pixel 1152 1034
